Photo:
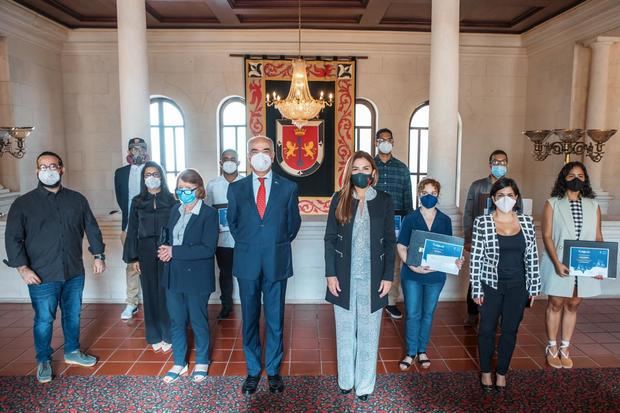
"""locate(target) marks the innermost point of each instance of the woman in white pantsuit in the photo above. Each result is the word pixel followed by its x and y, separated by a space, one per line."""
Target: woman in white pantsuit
pixel 359 266
pixel 571 213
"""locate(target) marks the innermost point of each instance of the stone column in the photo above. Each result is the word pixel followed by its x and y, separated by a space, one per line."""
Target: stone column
pixel 133 70
pixel 596 112
pixel 443 99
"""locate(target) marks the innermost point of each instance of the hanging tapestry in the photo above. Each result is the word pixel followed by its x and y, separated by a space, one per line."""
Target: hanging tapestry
pixel 315 155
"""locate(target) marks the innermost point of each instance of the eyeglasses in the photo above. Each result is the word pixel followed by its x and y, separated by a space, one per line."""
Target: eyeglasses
pixel 185 191
pixel 154 175
pixel 51 167
pixel 499 163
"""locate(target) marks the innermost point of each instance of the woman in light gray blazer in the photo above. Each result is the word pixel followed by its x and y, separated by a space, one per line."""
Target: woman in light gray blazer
pixel 571 213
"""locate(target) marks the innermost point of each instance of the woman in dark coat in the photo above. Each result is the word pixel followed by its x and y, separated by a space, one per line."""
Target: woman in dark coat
pixel 359 267
pixel 149 213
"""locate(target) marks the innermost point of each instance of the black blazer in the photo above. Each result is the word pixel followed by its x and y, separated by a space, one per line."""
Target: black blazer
pixel 121 190
pixel 147 217
pixel 191 269
pixel 338 239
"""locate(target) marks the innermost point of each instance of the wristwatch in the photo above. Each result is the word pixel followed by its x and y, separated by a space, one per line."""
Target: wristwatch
pixel 99 257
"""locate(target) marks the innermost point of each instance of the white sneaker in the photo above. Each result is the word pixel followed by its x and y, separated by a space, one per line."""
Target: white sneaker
pixel 156 347
pixel 129 311
pixel 165 347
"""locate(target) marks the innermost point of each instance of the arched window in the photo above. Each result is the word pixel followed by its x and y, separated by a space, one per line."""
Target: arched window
pixel 168 137
pixel 418 145
pixel 365 125
pixel 232 125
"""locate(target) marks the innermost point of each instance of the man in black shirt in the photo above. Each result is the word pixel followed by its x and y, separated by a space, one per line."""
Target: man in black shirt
pixel 44 233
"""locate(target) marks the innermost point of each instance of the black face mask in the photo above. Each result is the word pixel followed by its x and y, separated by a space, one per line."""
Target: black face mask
pixel 576 185
pixel 361 180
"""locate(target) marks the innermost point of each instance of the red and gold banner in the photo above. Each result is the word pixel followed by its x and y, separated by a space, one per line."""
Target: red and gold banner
pixel 314 157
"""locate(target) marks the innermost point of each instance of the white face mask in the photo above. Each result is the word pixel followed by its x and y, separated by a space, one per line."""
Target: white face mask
pixel 229 167
pixel 152 183
pixel 260 162
pixel 505 204
pixel 49 178
pixel 385 147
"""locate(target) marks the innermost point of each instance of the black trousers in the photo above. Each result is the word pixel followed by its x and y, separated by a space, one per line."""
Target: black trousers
pixel 509 303
pixel 472 307
pixel 156 320
pixel 224 258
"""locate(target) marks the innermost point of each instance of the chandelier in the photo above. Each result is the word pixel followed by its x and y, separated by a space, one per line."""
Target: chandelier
pixel 18 135
pixel 299 106
pixel 570 143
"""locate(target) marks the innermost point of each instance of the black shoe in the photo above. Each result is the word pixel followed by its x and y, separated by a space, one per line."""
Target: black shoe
pixel 486 388
pixel 363 398
pixel 500 389
pixel 343 391
pixel 276 385
pixel 224 313
pixel 250 384
pixel 394 312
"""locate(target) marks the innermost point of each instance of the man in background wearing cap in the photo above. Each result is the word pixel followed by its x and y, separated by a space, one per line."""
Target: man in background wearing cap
pixel 126 187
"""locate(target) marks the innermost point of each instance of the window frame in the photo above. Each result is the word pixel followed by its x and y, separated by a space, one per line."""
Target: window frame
pixel 161 126
pixel 220 122
pixel 418 130
pixel 373 125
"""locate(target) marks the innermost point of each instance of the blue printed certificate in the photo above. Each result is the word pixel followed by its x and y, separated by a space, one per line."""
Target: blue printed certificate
pixel 591 258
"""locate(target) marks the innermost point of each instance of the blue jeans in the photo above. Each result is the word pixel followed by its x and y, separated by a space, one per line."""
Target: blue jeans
pixel 45 299
pixel 420 303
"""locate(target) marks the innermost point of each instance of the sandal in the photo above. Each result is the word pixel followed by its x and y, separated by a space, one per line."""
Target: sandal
pixel 405 365
pixel 172 376
pixel 565 360
pixel 553 358
pixel 426 363
pixel 200 375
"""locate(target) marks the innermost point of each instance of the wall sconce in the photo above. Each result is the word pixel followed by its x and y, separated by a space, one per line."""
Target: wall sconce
pixel 570 143
pixel 14 135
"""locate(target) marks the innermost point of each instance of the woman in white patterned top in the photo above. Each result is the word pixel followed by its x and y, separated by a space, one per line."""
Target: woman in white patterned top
pixel 571 213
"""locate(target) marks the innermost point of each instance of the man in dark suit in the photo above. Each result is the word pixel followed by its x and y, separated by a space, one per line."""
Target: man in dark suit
pixel 263 217
pixel 126 187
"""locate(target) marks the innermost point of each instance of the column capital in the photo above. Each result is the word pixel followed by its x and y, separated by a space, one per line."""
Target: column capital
pixel 600 41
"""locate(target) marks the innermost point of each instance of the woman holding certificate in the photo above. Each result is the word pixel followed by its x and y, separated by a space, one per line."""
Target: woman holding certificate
pixel 359 267
pixel 571 213
pixel 504 276
pixel 421 285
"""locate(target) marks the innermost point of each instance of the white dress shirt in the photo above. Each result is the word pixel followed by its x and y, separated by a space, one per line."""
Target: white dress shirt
pixel 178 232
pixel 217 190
pixel 256 185
pixel 135 175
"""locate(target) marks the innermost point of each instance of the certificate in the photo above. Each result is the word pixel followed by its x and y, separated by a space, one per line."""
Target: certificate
pixel 591 258
pixel 437 251
pixel 222 213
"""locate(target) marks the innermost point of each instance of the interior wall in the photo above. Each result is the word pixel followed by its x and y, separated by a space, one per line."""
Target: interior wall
pixel 611 171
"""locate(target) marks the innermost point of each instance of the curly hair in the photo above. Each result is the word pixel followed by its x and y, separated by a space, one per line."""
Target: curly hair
pixel 559 188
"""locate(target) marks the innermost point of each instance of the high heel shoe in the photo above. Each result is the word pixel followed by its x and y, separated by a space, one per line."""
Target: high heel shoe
pixel 486 388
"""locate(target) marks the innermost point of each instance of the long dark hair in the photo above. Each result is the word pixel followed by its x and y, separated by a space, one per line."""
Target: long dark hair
pixel 164 191
pixel 559 188
pixel 344 210
pixel 505 183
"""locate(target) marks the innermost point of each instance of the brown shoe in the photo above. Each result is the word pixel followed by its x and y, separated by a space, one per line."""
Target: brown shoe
pixel 553 358
pixel 565 359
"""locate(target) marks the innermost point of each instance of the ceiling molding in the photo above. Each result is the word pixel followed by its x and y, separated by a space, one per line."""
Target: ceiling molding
pixel 30 26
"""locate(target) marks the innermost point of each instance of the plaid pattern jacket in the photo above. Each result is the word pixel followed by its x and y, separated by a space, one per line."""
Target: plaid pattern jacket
pixel 485 255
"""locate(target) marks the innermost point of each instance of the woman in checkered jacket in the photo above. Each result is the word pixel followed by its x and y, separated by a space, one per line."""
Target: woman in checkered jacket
pixel 504 276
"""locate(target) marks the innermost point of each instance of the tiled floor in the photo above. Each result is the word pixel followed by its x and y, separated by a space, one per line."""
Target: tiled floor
pixel 309 341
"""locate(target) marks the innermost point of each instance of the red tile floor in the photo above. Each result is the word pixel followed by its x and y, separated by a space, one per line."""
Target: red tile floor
pixel 309 341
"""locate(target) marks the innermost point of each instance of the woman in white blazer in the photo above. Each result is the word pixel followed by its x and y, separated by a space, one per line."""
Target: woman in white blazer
pixel 571 213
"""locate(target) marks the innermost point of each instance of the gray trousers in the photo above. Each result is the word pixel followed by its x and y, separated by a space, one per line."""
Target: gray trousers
pixel 357 340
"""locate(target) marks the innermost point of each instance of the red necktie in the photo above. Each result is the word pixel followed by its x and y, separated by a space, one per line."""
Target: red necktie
pixel 261 198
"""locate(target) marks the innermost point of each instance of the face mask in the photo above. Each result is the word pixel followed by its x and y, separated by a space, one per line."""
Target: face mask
pixel 498 171
pixel 49 179
pixel 152 183
pixel 428 201
pixel 576 185
pixel 260 162
pixel 229 167
pixel 385 147
pixel 137 159
pixel 361 180
pixel 505 204
pixel 186 196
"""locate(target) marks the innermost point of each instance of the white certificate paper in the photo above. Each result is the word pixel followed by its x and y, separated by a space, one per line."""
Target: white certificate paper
pixel 441 263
